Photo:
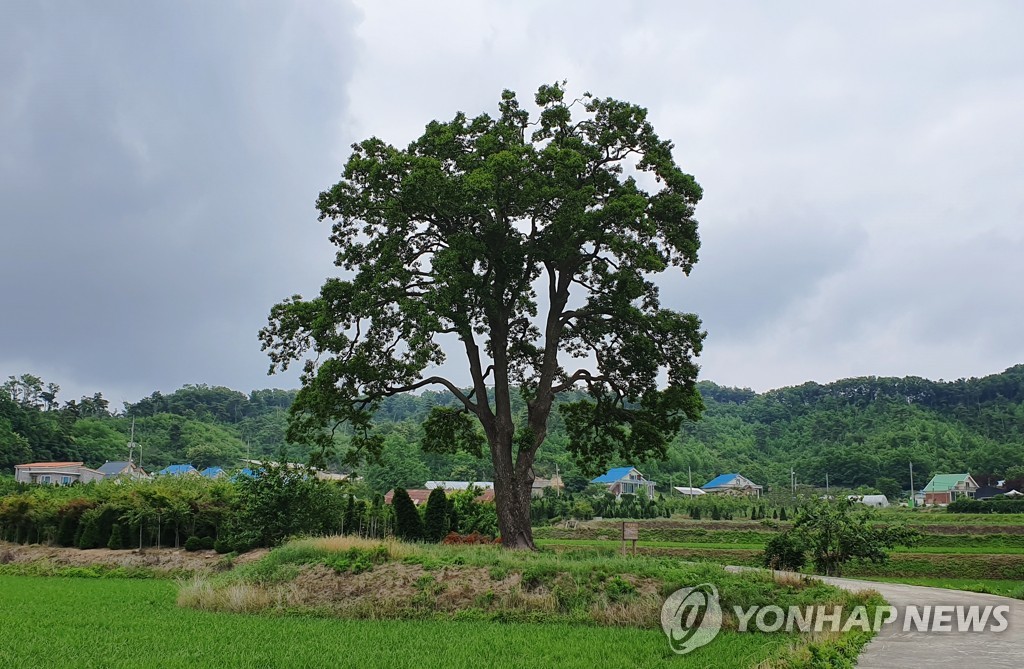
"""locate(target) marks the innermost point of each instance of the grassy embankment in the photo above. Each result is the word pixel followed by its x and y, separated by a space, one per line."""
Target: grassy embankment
pixel 397 605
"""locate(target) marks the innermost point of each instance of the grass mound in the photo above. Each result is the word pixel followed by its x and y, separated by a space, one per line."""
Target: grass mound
pixel 355 578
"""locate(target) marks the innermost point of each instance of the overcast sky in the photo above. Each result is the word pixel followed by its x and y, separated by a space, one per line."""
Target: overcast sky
pixel 862 163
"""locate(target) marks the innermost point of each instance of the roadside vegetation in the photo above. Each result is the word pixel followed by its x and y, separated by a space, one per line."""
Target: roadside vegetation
pixel 255 510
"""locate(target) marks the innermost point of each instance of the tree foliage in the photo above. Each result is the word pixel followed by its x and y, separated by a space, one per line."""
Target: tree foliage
pixel 408 524
pixel 833 533
pixel 436 516
pixel 533 243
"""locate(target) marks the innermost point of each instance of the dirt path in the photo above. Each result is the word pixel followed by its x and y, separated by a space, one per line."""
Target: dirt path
pixel 167 559
pixel 895 648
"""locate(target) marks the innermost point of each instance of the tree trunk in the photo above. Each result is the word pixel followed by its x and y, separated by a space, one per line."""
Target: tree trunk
pixel 512 486
pixel 512 498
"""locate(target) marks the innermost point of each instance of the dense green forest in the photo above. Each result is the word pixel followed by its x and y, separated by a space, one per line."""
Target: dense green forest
pixel 858 432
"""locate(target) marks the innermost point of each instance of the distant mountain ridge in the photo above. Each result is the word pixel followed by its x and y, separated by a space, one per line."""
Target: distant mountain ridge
pixel 859 432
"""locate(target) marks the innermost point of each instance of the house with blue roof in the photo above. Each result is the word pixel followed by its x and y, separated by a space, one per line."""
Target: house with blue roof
pixel 732 484
pixel 213 472
pixel 245 472
pixel 178 470
pixel 626 481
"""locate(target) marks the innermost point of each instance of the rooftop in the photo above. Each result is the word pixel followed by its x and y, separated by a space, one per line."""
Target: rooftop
pixel 53 464
pixel 613 475
pixel 943 482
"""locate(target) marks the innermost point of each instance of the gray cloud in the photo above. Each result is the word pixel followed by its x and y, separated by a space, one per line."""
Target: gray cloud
pixel 862 210
pixel 158 193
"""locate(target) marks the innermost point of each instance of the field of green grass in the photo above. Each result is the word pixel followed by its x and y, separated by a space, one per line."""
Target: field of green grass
pixel 938 516
pixel 962 550
pixel 950 546
pixel 601 543
pixel 76 622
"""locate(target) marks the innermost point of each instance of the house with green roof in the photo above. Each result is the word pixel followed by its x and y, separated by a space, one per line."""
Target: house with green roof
pixel 944 488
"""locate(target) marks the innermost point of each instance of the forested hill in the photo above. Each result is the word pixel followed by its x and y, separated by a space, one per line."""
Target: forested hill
pixel 860 432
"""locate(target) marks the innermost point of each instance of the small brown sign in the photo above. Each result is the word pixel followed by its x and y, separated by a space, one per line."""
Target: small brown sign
pixel 630 531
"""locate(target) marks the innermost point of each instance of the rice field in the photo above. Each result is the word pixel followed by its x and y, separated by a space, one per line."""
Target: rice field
pixel 58 622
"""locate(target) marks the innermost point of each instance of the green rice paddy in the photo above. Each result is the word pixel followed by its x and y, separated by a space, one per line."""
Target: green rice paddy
pixel 82 623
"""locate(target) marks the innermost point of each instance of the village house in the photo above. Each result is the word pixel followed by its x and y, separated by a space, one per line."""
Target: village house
pixel 732 484
pixel 1000 489
pixel 319 473
pixel 946 488
pixel 178 470
pixel 123 469
pixel 541 484
pixel 419 496
pixel 626 481
pixel 450 486
pixel 55 473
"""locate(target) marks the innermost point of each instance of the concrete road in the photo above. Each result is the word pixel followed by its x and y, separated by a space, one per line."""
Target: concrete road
pixel 893 647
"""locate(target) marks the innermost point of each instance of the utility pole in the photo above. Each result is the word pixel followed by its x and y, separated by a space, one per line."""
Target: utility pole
pixel 689 480
pixel 792 480
pixel 913 496
pixel 826 484
pixel 131 443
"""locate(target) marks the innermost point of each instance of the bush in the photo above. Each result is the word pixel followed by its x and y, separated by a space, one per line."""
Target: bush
pixel 277 502
pixel 206 543
pixel 222 546
pixel 408 525
pixel 116 541
pixel 193 544
pixel 784 552
pixel 435 521
pixel 90 530
pixel 995 505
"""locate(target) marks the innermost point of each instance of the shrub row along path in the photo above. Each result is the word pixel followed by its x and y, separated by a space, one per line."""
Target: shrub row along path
pixel 895 648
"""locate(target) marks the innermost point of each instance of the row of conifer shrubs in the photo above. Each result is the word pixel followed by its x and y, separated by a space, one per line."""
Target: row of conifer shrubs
pixel 442 515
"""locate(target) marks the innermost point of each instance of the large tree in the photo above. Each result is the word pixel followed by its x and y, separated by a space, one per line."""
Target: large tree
pixel 533 243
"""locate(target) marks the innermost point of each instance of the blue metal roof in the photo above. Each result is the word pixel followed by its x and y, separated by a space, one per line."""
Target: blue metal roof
pixel 719 481
pixel 176 470
pixel 613 475
pixel 244 472
pixel 212 472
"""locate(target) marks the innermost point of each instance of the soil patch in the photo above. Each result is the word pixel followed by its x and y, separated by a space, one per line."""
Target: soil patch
pixel 163 559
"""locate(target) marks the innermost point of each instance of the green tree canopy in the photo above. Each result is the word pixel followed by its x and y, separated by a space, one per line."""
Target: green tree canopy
pixel 533 241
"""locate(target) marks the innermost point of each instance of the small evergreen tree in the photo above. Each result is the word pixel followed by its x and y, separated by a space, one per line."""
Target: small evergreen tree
pixel 435 519
pixel 408 525
pixel 350 524
pixel 67 530
pixel 90 529
pixel 115 543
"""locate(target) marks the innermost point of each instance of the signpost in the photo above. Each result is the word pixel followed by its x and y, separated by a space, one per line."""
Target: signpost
pixel 630 532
